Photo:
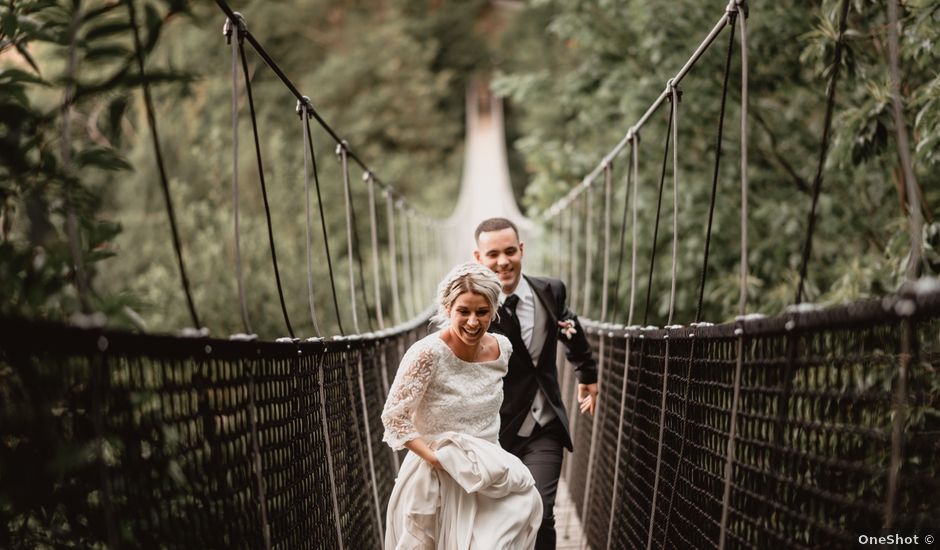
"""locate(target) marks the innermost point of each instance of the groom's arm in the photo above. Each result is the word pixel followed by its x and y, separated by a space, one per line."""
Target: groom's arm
pixel 577 348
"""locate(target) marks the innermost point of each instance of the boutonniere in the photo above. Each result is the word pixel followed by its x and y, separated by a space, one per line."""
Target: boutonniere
pixel 567 328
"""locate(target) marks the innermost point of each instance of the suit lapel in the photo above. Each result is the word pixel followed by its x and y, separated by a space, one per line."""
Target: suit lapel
pixel 544 294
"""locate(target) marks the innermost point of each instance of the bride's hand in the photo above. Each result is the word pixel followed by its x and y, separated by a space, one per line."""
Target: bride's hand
pixel 434 463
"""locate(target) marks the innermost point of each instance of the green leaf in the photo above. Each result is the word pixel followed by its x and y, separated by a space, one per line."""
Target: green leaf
pixel 27 56
pixel 107 29
pixel 103 158
pixel 8 23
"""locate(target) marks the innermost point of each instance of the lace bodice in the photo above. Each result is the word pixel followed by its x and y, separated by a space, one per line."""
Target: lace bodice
pixel 435 392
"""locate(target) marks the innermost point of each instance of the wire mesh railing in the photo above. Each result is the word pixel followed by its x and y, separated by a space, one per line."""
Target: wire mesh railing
pixel 114 439
pixel 815 459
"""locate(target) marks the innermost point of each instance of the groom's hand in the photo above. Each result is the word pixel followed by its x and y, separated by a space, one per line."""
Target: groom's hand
pixel 587 397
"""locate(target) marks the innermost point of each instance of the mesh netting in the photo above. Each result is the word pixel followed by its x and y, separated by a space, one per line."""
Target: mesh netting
pixel 128 440
pixel 812 451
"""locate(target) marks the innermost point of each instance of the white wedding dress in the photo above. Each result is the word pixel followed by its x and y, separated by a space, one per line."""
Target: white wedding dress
pixel 485 498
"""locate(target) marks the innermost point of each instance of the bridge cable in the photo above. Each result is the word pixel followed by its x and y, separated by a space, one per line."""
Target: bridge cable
pixel 393 257
pixel 341 152
pixel 708 233
pixel 589 246
pixel 739 331
pixel 237 28
pixel 633 171
pixel 676 97
pixel 606 272
pixel 326 239
pixel 823 148
pixel 304 116
pixel 407 282
pixel 374 238
pixel 659 203
pixel 357 249
pixel 602 352
pixel 329 450
pixel 264 191
pixel 161 168
pixel 627 184
pixel 365 418
pixel 718 143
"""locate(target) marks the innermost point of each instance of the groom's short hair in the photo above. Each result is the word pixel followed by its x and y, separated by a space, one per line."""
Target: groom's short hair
pixel 494 224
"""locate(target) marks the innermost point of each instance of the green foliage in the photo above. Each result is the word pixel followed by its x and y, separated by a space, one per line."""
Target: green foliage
pixel 610 61
pixel 73 62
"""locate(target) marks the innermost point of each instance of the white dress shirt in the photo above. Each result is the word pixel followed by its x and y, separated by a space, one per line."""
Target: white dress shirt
pixel 531 315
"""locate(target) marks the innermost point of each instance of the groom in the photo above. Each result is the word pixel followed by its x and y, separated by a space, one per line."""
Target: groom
pixel 534 316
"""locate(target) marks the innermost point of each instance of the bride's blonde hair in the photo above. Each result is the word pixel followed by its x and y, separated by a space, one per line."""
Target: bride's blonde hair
pixel 466 277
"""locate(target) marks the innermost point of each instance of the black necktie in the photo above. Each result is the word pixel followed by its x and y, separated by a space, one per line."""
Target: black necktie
pixel 508 313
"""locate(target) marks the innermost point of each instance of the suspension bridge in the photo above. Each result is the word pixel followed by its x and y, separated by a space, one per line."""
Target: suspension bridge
pixel 803 429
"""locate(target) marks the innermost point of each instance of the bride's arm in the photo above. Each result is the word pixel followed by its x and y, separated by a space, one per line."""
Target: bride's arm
pixel 420 448
pixel 411 383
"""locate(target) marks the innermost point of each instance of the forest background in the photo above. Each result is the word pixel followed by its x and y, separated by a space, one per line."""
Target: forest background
pixel 391 77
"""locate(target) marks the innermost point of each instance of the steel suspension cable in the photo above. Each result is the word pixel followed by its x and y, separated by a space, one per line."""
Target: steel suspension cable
pixel 331 467
pixel 237 28
pixel 341 152
pixel 326 239
pixel 161 167
pixel 264 191
pixel 718 142
pixel 659 203
pixel 374 237
pixel 628 183
pixel 606 273
pixel 744 178
pixel 739 332
pixel 302 109
pixel 588 251
pixel 677 96
pixel 393 256
pixel 824 146
pixel 362 277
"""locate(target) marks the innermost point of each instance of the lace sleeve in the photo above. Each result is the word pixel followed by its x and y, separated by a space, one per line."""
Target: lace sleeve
pixel 411 381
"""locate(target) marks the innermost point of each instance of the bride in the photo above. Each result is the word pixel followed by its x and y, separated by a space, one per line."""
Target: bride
pixel 457 488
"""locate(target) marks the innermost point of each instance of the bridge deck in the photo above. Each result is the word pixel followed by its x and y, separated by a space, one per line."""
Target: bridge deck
pixel 567 524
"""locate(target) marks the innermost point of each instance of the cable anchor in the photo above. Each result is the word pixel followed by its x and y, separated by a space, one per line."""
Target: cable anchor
pixel 228 28
pixel 302 105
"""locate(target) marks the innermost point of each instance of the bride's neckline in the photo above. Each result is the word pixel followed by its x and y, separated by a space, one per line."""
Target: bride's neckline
pixel 439 338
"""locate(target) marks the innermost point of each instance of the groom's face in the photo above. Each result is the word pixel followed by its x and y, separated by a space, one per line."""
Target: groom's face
pixel 501 251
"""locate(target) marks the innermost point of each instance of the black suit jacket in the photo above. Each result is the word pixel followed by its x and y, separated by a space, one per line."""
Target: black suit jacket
pixel 523 380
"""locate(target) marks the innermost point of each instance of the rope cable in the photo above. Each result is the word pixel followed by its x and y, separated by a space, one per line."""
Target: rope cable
pixel 718 141
pixel 393 256
pixel 588 251
pixel 264 191
pixel 374 237
pixel 326 239
pixel 659 203
pixel 302 109
pixel 628 182
pixel 341 152
pixel 744 182
pixel 357 250
pixel 161 167
pixel 238 29
pixel 677 96
pixel 606 273
pixel 824 146
pixel 368 429
pixel 321 373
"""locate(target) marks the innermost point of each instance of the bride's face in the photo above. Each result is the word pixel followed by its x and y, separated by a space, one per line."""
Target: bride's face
pixel 470 316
